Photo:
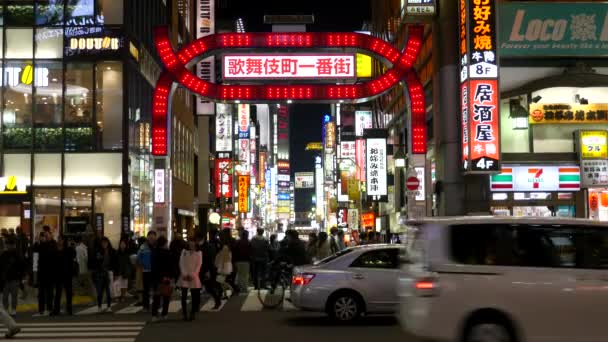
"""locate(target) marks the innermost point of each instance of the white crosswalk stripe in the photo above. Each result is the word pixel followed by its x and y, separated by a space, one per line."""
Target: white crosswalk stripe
pixel 248 302
pixel 79 332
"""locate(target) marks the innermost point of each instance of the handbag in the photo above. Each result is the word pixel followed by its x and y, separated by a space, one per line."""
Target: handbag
pixel 165 289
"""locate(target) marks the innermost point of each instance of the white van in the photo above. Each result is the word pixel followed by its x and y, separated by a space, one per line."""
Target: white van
pixel 482 279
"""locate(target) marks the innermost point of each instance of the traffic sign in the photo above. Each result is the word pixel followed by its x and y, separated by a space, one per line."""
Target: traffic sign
pixel 412 183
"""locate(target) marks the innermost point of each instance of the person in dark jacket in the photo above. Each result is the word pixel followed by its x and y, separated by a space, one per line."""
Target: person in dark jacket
pixel 124 269
pixel 260 248
pixel 293 250
pixel 103 261
pixel 162 274
pixel 208 274
pixel 45 266
pixel 13 268
pixel 5 274
pixel 242 258
pixel 176 247
pixel 64 273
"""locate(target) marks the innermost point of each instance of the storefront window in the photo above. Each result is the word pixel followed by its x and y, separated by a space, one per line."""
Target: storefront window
pixel 20 13
pixel 48 108
pixel 77 210
pixel 108 89
pixel 108 202
pixel 111 10
pixel 17 115
pixel 49 43
pixel 19 43
pixel 49 12
pixel 47 210
pixel 523 196
pixel 79 106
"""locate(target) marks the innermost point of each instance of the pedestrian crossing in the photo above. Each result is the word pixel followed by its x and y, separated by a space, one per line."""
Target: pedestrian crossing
pixel 248 302
pixel 78 332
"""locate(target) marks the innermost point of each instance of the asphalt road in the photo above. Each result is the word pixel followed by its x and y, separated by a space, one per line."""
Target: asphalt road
pixel 227 325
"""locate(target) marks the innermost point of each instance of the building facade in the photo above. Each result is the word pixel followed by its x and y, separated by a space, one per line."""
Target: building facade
pixel 77 79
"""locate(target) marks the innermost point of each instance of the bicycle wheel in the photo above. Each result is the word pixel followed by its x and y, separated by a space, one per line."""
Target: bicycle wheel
pixel 272 297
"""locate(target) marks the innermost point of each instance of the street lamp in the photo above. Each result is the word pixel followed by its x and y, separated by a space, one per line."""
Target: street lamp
pixel 399 158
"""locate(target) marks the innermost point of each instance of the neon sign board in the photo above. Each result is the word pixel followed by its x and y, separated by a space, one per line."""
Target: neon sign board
pixel 398 69
pixel 289 66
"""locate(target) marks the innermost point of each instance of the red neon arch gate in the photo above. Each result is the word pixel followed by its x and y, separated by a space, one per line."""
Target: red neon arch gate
pixel 399 63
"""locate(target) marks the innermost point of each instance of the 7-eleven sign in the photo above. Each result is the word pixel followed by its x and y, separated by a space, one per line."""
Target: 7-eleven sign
pixel 536 178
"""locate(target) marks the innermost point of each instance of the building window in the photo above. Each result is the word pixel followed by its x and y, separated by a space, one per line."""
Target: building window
pixel 47 169
pixel 17 115
pixel 18 165
pixel 48 107
pixel 49 12
pixel 77 210
pixel 111 10
pixel 97 169
pixel 109 104
pixel 108 202
pixel 79 107
pixel 49 43
pixel 47 210
pixel 19 43
pixel 20 13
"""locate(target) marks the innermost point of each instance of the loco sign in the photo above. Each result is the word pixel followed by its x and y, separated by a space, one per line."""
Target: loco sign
pixel 399 68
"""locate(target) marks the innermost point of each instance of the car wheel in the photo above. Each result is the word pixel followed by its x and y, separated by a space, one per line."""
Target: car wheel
pixel 345 307
pixel 488 332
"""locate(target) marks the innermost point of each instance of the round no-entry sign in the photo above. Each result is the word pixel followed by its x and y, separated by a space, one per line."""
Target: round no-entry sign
pixel 412 183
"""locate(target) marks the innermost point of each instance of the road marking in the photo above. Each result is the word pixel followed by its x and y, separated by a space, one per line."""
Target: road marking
pixel 252 303
pixel 88 324
pixel 18 338
pixel 208 306
pixel 132 309
pixel 89 311
pixel 76 329
pixel 77 334
pixel 175 306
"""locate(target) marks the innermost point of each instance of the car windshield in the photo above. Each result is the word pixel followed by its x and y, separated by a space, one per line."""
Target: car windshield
pixel 333 257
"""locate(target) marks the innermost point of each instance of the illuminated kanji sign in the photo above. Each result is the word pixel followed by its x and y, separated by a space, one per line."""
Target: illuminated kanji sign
pixel 327 65
pixel 479 93
pixel 321 66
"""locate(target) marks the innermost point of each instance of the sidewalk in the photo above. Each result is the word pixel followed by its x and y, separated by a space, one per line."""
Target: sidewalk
pixel 30 302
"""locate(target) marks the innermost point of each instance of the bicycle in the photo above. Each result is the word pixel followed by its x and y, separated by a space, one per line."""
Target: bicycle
pixel 272 288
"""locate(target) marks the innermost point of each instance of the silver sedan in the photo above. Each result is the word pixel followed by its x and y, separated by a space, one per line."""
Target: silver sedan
pixel 352 282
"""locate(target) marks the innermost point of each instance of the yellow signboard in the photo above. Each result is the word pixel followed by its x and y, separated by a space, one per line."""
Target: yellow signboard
pixel 541 113
pixel 12 186
pixel 364 65
pixel 354 193
pixel 594 144
pixel 243 186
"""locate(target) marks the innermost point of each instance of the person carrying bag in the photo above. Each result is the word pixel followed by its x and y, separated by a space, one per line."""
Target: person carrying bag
pixel 223 263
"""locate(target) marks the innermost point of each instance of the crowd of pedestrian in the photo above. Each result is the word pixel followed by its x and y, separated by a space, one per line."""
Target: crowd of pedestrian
pixel 150 267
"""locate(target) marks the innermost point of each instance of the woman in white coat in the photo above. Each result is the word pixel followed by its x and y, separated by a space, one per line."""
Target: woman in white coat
pixel 189 266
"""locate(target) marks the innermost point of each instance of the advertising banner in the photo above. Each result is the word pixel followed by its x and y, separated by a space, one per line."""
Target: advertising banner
pixel 289 66
pixel 304 180
pixel 479 86
pixel 376 165
pixel 360 158
pixel 363 121
pixel 159 186
pixel 592 148
pixel 243 188
pixel 283 132
pixel 205 69
pixel 223 178
pixel 342 215
pixel 566 113
pixel 223 128
pixel 353 219
pixel 553 29
pixel 244 154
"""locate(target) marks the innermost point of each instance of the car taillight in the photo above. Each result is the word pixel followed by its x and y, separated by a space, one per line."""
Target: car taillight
pixel 426 287
pixel 302 279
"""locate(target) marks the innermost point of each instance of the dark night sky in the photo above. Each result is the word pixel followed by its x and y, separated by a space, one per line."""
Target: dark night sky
pixel 330 15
